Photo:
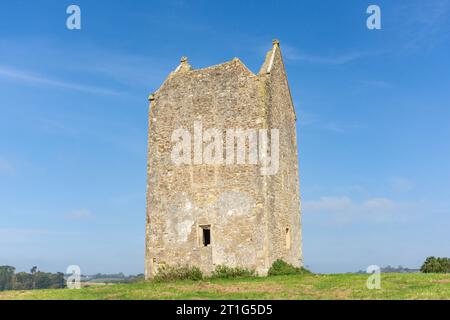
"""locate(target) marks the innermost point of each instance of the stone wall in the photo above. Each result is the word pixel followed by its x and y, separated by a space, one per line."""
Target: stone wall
pixel 284 235
pixel 249 215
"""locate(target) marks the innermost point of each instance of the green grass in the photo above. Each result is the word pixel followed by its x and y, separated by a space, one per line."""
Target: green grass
pixel 336 286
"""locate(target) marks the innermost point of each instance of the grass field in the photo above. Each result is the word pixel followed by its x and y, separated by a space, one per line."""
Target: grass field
pixel 336 286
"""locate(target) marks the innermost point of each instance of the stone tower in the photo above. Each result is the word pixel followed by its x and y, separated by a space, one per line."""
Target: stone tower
pixel 223 182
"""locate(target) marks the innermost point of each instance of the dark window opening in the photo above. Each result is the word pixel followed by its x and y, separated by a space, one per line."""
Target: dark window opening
pixel 288 238
pixel 206 236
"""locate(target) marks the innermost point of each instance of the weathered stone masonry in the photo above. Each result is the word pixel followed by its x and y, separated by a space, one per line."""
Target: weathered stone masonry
pixel 209 215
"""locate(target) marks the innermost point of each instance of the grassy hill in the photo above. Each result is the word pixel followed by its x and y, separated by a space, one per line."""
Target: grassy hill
pixel 336 286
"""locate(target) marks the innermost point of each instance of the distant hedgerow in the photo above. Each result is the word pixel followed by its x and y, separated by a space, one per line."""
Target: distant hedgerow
pixel 436 265
pixel 171 273
pixel 225 272
pixel 280 267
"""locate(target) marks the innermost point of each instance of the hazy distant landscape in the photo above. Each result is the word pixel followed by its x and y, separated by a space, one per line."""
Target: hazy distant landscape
pixel 283 281
pixel 336 286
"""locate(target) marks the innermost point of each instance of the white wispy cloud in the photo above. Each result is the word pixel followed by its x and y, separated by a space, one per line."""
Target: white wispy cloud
pixel 423 23
pixel 293 54
pixel 400 184
pixel 36 79
pixel 79 214
pixel 125 69
pixel 127 199
pixel 6 167
pixel 328 203
pixel 19 235
pixel 131 73
pixel 314 120
pixel 338 59
pixel 377 84
pixel 345 209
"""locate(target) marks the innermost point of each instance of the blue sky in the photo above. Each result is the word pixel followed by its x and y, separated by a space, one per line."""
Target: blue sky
pixel 373 109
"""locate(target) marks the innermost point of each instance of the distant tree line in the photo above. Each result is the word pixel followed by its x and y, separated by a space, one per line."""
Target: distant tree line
pixel 119 275
pixel 390 269
pixel 10 280
pixel 436 265
pixel 112 278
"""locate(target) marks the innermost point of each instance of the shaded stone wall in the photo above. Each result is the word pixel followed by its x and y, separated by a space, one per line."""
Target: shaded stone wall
pixel 284 234
pixel 247 213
